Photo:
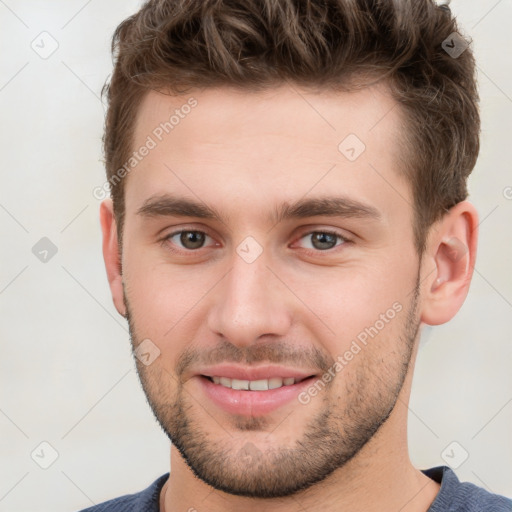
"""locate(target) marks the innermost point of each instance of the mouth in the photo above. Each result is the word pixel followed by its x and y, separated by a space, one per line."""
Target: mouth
pixel 253 392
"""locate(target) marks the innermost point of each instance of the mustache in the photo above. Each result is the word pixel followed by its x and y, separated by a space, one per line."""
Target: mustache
pixel 279 353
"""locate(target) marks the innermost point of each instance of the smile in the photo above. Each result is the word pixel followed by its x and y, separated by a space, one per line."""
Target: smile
pixel 252 397
pixel 255 385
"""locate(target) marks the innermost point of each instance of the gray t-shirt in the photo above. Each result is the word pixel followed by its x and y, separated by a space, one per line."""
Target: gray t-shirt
pixel 453 496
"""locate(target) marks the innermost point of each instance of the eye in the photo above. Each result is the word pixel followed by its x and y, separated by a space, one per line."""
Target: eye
pixel 323 240
pixel 189 239
pixel 192 240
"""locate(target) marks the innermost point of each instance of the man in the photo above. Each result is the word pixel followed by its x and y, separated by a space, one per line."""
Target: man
pixel 288 209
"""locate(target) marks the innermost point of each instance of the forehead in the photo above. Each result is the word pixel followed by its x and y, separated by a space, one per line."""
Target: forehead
pixel 285 110
pixel 260 147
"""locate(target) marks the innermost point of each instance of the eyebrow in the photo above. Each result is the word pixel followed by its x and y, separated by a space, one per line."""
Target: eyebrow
pixel 167 205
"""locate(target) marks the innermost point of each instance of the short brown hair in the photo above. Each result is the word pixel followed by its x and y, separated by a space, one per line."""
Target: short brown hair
pixel 177 45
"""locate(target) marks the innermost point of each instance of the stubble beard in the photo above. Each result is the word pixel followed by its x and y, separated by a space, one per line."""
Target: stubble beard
pixel 330 439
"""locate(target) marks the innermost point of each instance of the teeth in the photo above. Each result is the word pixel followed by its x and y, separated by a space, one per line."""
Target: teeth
pixel 254 385
pixel 224 381
pixel 258 385
pixel 239 384
pixel 275 382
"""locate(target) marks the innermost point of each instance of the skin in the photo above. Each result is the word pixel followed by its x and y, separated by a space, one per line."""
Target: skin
pixel 244 154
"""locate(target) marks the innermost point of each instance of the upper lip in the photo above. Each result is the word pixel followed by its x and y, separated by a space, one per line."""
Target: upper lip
pixel 254 373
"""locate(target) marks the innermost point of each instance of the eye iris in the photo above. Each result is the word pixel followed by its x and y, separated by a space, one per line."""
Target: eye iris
pixel 192 239
pixel 325 240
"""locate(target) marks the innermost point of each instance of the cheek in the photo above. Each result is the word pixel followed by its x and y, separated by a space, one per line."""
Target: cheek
pixel 164 301
pixel 170 302
pixel 356 304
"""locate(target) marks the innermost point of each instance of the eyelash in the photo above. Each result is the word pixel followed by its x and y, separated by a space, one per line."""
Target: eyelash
pixel 344 240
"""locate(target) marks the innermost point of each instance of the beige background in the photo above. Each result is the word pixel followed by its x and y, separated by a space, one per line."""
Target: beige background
pixel 66 373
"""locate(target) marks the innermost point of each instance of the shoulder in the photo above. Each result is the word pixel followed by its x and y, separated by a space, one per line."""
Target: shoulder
pixel 147 500
pixel 456 496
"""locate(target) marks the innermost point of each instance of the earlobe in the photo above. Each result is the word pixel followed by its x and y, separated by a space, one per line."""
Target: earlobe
pixel 452 249
pixel 111 255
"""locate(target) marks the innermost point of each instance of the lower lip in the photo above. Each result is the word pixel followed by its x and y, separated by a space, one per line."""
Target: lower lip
pixel 252 403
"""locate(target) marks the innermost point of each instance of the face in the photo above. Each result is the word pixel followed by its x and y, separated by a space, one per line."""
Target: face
pixel 261 253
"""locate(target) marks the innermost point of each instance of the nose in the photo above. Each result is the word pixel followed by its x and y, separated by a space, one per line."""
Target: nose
pixel 250 304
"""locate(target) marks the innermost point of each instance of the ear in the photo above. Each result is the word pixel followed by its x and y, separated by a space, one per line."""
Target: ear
pixel 449 261
pixel 111 254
